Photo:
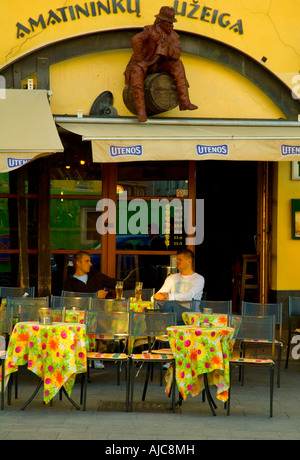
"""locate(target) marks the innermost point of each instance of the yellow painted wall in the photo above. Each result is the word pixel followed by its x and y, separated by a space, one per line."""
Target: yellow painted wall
pixel 218 91
pixel 268 28
pixel 285 250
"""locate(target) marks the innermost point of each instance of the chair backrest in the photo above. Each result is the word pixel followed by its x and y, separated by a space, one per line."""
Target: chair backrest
pixel 146 293
pixel 253 328
pixel 82 303
pixel 31 313
pixel 28 313
pixel 264 309
pixel 37 302
pixel 6 320
pixel 108 322
pixel 78 294
pixel 217 306
pixel 6 291
pixel 167 306
pixel 151 323
pixel 110 304
pixel 294 306
pixel 16 303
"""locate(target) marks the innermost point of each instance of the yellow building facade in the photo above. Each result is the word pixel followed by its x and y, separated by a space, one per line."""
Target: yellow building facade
pixel 243 65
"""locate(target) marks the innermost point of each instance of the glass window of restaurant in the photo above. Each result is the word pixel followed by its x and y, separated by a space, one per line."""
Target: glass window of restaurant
pixel 152 230
pixel 75 188
pixel 9 224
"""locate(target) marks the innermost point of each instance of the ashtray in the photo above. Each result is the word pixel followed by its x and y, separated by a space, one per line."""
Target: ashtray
pixel 46 320
pixel 206 324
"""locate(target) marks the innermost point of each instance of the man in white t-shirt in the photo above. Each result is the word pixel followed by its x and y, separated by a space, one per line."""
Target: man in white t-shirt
pixel 183 286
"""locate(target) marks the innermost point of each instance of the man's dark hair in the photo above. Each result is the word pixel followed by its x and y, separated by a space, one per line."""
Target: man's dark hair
pixel 78 256
pixel 187 253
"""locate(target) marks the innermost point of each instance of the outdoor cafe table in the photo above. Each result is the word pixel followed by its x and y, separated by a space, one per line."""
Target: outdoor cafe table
pixel 55 353
pixel 196 319
pixel 201 351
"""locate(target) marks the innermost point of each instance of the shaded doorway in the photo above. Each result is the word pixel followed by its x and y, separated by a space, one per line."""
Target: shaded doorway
pixel 229 190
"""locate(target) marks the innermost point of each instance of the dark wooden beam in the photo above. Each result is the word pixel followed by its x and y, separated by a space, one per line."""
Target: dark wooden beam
pixel 44 249
pixel 23 233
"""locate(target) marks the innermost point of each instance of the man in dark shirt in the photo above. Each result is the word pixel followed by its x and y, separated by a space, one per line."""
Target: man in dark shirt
pixel 87 280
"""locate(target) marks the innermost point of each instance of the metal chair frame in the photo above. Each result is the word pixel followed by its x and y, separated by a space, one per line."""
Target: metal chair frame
pixel 266 309
pixel 150 324
pixel 110 304
pixel 78 294
pixel 254 327
pixel 16 303
pixel 217 306
pixel 11 291
pixel 115 323
pixel 6 325
pixel 82 303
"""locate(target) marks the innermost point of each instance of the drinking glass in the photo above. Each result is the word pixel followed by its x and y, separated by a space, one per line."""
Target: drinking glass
pixel 138 291
pixel 119 289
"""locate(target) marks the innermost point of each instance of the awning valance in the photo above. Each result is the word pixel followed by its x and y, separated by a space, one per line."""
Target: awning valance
pixel 27 128
pixel 121 140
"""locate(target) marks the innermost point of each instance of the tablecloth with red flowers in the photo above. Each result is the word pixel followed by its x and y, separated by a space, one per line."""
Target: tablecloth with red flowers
pixel 200 351
pixel 196 319
pixel 55 353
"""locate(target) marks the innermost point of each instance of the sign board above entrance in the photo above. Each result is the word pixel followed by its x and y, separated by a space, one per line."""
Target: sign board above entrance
pixel 28 26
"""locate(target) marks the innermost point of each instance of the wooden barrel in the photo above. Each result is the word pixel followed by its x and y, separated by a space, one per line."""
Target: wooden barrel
pixel 160 94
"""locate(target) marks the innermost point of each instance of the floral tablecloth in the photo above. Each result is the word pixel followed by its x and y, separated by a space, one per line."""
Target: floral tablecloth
pixel 55 353
pixel 199 351
pixel 196 319
pixel 143 305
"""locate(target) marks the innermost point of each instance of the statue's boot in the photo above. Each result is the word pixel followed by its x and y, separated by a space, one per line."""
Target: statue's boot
pixel 184 100
pixel 139 101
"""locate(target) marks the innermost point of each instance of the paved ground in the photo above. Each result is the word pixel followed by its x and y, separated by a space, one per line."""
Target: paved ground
pixel 106 419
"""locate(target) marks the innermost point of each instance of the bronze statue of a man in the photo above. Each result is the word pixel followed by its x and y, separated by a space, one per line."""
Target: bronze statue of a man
pixel 157 49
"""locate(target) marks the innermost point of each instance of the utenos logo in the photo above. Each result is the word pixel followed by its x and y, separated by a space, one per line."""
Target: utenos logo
pixel 16 162
pixel 133 217
pixel 290 149
pixel 216 149
pixel 135 150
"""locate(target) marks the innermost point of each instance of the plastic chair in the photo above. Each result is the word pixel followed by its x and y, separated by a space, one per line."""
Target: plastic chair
pixel 254 328
pixel 151 324
pixel 115 323
pixel 294 312
pixel 217 306
pixel 78 294
pixel 266 309
pixel 110 304
pixel 146 293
